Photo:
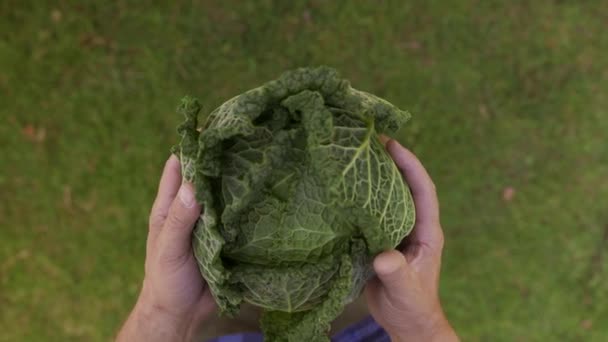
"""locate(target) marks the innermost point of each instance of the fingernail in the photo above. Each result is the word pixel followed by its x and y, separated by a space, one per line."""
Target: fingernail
pixel 388 262
pixel 186 195
pixel 384 139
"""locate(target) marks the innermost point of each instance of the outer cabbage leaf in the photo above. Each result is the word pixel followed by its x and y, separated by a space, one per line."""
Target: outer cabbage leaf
pixel 298 196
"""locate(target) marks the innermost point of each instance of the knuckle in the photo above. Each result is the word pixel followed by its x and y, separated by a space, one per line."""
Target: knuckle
pixel 156 220
pixel 177 221
pixel 440 241
pixel 170 258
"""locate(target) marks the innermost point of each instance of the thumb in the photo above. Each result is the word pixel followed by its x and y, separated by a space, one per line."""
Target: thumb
pixel 394 273
pixel 175 238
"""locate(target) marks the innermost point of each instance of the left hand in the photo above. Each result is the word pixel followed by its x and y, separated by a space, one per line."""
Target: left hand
pixel 174 299
pixel 403 297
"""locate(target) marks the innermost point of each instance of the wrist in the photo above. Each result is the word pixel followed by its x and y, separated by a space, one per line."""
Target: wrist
pixel 151 322
pixel 443 331
pixel 433 328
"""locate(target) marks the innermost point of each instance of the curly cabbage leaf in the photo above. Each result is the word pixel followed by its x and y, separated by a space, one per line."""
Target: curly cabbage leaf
pixel 298 196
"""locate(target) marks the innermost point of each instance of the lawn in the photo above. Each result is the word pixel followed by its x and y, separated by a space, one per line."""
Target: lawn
pixel 510 115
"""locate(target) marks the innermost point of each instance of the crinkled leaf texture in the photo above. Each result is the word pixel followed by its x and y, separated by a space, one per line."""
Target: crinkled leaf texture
pixel 298 196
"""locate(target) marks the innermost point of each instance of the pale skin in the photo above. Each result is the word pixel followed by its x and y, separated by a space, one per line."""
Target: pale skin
pixel 175 302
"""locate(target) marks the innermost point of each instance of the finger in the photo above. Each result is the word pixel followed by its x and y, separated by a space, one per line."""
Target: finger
pixel 427 230
pixel 419 181
pixel 206 305
pixel 175 236
pixel 167 190
pixel 383 139
pixel 394 273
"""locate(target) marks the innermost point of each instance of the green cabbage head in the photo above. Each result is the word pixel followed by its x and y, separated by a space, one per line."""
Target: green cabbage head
pixel 298 195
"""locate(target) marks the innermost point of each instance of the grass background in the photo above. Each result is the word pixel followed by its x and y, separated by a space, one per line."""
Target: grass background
pixel 509 102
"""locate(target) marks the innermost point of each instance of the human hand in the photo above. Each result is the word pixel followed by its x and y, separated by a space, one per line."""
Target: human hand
pixel 403 297
pixel 174 299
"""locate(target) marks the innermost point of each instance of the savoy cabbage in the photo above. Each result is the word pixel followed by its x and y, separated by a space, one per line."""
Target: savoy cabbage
pixel 298 196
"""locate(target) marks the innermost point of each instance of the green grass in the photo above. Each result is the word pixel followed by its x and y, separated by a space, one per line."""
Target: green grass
pixel 503 94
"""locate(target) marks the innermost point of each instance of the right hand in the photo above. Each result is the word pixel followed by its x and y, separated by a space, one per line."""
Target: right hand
pixel 403 297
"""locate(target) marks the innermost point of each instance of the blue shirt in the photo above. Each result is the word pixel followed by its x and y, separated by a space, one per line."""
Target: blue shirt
pixel 366 330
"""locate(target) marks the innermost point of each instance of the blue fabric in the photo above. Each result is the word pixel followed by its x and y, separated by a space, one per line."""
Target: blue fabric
pixel 366 330
pixel 244 337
